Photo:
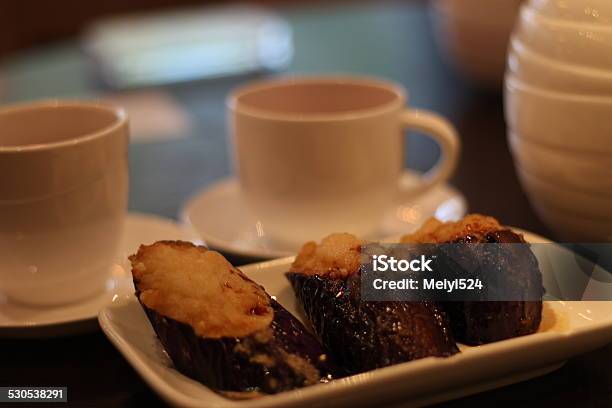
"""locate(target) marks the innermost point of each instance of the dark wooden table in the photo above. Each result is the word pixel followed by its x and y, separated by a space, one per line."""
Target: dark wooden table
pixel 392 40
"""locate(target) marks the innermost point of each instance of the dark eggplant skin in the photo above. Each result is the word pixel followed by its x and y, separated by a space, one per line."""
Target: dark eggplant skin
pixel 264 362
pixel 212 337
pixel 480 322
pixel 475 323
pixel 363 336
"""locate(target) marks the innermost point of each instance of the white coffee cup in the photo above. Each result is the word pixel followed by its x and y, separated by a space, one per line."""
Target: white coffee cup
pixel 322 154
pixel 63 198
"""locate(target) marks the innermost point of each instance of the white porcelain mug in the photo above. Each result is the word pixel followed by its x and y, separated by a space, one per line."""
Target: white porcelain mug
pixel 315 155
pixel 63 198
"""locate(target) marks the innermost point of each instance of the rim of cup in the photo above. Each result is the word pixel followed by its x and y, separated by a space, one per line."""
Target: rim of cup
pixel 398 100
pixel 120 119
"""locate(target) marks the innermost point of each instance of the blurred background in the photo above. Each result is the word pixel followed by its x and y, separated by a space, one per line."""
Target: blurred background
pixel 30 23
pixel 171 65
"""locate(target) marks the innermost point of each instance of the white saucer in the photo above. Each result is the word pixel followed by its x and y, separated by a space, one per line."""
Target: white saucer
pixel 17 320
pixel 221 218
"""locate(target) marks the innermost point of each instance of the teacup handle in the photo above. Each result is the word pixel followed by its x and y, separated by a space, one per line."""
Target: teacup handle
pixel 439 129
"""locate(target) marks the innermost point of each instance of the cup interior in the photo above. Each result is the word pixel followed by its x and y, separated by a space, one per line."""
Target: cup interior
pixel 41 124
pixel 315 97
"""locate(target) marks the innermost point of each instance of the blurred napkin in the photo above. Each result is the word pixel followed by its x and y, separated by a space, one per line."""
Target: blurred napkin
pixel 154 115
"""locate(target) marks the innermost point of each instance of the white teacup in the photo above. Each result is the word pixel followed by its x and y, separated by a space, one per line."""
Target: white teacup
pixel 63 197
pixel 317 155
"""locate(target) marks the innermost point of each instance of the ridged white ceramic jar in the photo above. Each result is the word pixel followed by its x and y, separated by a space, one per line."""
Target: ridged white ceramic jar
pixel 558 100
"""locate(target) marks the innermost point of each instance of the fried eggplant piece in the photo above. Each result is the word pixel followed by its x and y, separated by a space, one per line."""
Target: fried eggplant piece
pixel 479 322
pixel 221 328
pixel 362 335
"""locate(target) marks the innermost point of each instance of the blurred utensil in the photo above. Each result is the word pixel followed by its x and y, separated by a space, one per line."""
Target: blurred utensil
pixel 474 36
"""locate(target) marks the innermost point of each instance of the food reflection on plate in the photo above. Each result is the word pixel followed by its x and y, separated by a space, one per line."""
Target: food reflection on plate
pixel 552 320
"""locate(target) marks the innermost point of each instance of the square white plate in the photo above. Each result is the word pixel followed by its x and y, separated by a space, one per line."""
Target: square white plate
pixel 567 329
